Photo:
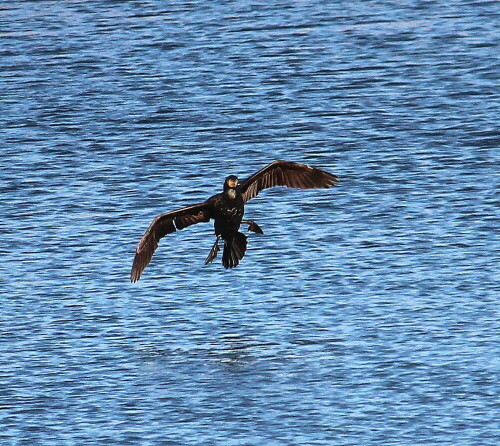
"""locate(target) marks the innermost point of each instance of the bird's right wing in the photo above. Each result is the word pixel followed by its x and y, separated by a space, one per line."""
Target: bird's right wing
pixel 162 225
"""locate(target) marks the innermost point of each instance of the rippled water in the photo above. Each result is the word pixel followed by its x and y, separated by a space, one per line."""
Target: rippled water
pixel 366 314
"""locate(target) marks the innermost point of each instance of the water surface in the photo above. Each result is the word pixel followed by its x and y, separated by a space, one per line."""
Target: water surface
pixel 366 314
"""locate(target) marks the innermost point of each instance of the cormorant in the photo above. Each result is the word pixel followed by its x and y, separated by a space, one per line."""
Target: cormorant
pixel 226 209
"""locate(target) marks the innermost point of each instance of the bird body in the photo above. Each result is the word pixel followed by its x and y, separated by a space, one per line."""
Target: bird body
pixel 227 209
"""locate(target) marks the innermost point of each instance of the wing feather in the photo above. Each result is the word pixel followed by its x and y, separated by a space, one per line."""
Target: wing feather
pixel 289 174
pixel 162 225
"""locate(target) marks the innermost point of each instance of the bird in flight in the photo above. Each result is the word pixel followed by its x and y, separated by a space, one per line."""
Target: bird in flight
pixel 227 209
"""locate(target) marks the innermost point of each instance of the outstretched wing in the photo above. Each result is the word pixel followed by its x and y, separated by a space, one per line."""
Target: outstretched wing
pixel 162 225
pixel 289 174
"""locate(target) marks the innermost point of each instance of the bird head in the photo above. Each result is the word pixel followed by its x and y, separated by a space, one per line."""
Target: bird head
pixel 231 182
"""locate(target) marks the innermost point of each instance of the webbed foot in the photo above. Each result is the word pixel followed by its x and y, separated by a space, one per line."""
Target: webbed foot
pixel 253 227
pixel 213 252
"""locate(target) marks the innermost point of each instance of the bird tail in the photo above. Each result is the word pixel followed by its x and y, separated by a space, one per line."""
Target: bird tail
pixel 234 250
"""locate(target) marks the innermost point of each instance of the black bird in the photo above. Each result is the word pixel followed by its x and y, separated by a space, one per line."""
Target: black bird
pixel 227 209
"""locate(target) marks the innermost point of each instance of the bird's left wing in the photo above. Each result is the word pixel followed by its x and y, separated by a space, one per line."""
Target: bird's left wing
pixel 286 173
pixel 162 225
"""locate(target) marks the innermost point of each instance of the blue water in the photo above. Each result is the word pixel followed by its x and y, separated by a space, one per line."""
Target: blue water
pixel 366 314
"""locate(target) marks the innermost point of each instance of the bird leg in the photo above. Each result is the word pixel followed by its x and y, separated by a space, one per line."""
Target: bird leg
pixel 252 226
pixel 213 252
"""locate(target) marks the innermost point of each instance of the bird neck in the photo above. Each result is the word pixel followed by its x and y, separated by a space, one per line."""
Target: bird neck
pixel 231 193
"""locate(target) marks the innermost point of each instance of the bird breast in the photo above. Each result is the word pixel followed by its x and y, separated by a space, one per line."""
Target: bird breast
pixel 233 212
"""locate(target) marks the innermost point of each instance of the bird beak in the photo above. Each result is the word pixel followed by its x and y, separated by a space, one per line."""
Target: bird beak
pixel 232 183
